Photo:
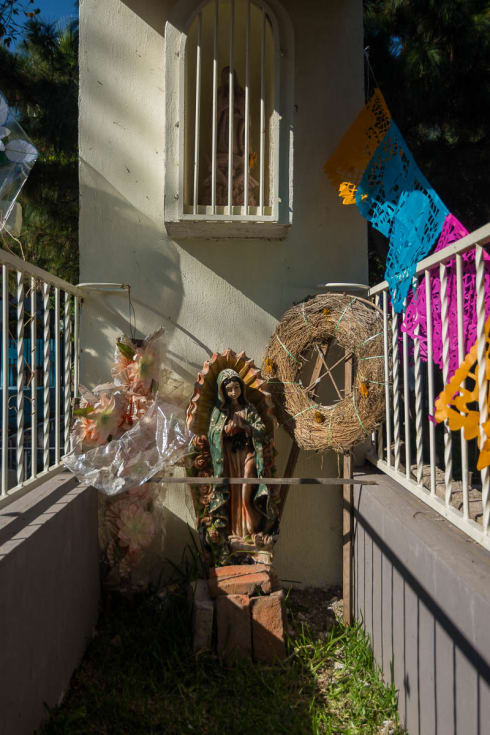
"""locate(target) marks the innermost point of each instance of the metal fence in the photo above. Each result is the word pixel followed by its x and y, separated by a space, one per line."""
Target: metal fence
pixel 39 372
pixel 430 460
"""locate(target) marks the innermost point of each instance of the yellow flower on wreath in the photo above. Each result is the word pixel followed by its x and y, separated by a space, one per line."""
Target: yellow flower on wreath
pixel 363 390
pixel 269 366
pixel 453 402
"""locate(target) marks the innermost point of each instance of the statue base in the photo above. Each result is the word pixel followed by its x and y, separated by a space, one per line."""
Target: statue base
pixel 259 549
pixel 248 605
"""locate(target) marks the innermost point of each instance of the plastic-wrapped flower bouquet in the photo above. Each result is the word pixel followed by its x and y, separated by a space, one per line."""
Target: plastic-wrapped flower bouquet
pixel 123 434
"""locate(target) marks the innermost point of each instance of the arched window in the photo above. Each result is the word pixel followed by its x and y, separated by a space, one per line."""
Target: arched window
pixel 228 122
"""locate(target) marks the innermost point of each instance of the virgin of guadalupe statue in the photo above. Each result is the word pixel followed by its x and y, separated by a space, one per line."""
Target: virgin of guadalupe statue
pixel 236 434
pixel 236 522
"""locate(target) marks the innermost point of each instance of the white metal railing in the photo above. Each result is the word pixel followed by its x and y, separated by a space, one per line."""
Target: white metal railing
pixel 40 314
pixel 441 471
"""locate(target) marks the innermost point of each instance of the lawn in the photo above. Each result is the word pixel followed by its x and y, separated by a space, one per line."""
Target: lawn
pixel 140 676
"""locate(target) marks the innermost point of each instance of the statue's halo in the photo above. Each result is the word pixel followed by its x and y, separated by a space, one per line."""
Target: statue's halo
pixel 205 391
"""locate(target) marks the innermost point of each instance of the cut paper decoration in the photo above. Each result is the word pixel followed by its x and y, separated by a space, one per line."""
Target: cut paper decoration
pixel 373 168
pixel 389 190
pixel 453 404
pixel 415 319
pixel 398 200
pixel 17 157
pixel 347 165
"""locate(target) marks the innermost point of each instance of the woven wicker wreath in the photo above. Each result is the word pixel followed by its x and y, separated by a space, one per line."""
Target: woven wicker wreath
pixel 357 326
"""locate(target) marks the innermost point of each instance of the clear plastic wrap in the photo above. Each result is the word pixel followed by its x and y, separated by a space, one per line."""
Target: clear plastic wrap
pixel 123 434
pixel 132 530
pixel 17 157
pixel 160 439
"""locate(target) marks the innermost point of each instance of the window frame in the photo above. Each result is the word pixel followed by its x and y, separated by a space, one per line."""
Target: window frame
pixel 181 224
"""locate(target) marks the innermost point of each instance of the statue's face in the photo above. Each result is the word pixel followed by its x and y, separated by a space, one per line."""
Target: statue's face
pixel 233 390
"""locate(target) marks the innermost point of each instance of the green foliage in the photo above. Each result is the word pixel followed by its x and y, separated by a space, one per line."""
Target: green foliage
pixel 431 60
pixel 41 80
pixel 13 15
pixel 86 411
pixel 126 350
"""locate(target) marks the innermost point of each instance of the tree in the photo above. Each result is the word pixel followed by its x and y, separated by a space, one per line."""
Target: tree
pixel 13 15
pixel 431 59
pixel 41 81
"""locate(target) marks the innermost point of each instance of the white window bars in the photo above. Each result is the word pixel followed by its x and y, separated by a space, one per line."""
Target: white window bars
pixel 39 372
pixel 227 110
pixel 426 459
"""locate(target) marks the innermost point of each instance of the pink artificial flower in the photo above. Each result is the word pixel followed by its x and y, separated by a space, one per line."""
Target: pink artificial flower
pixel 120 369
pixel 107 417
pixel 139 406
pixel 136 407
pixel 140 493
pixel 136 527
pixel 143 369
pixel 100 421
pixel 125 351
pixel 85 431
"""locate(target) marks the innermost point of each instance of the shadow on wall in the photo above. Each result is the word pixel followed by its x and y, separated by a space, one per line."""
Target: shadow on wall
pixel 181 549
pixel 443 680
pixel 152 264
pixel 265 272
pixel 326 241
pixel 151 12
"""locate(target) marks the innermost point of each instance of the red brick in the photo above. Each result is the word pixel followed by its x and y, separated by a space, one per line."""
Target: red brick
pixel 236 570
pixel 234 626
pixel 244 579
pixel 202 616
pixel 268 627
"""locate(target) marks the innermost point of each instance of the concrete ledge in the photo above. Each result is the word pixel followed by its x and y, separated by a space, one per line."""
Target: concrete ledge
pixel 49 582
pixel 223 230
pixel 422 589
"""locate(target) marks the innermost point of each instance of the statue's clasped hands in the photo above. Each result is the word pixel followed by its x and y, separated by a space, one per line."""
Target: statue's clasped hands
pixel 241 423
pixel 236 424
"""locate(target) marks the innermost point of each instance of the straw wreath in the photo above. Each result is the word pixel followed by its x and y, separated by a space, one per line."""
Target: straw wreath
pixel 357 326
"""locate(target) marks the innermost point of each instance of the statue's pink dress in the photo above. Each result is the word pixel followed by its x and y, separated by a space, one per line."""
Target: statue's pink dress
pixel 239 461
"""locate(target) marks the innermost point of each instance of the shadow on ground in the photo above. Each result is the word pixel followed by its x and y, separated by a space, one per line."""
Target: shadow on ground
pixel 140 676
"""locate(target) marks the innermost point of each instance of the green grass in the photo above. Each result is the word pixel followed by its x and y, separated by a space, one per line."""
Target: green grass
pixel 139 676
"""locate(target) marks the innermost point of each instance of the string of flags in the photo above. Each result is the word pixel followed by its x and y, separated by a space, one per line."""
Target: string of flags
pixel 374 169
pixel 458 403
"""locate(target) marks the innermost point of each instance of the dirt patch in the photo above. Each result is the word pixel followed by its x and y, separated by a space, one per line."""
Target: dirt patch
pixel 316 608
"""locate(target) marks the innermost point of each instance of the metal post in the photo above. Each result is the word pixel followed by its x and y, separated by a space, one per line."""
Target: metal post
pixel 347 524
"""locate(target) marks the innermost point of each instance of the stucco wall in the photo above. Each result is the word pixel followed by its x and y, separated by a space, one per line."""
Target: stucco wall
pixel 210 295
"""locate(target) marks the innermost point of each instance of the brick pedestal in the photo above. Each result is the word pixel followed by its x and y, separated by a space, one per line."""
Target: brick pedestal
pixel 268 627
pixel 249 608
pixel 202 616
pixel 233 626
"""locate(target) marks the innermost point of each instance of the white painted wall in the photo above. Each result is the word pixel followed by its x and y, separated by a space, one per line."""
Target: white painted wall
pixel 211 295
